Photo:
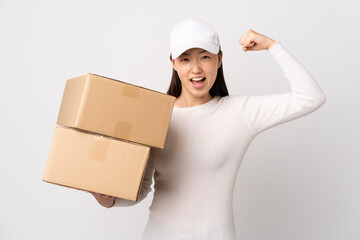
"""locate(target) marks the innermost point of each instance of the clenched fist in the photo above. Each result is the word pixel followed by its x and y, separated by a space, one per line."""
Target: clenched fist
pixel 254 41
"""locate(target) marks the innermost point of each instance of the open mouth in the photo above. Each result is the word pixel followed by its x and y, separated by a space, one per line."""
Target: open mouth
pixel 198 82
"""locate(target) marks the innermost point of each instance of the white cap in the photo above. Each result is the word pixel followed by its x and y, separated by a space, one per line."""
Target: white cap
pixel 193 33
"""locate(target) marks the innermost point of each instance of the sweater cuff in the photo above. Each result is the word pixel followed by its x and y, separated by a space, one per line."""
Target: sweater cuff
pixel 275 48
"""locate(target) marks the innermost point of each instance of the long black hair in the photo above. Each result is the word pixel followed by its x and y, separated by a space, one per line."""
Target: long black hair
pixel 218 89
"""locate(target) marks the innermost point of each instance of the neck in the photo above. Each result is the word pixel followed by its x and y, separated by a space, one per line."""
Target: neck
pixel 190 100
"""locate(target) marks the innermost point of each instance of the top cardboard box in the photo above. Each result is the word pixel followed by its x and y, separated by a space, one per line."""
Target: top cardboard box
pixel 114 108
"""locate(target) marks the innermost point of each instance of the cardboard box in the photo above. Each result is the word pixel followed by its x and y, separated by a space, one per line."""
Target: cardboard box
pixel 117 109
pixel 91 162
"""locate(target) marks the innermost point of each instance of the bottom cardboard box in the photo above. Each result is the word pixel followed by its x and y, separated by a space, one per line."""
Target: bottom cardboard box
pixel 91 162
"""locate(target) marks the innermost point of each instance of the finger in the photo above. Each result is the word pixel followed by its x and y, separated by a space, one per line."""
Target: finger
pixel 250 43
pixel 243 39
pixel 255 48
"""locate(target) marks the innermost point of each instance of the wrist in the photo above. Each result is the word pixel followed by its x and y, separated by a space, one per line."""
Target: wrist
pixel 271 42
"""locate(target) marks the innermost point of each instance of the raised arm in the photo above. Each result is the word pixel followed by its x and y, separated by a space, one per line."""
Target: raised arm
pixel 265 111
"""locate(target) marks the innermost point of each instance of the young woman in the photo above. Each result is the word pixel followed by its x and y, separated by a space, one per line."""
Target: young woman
pixel 209 133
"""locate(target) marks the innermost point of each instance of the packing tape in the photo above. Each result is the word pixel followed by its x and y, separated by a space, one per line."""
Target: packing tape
pixel 123 129
pixel 99 148
pixel 131 91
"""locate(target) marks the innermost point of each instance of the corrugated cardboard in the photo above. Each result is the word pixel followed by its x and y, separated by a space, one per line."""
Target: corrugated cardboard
pixel 117 109
pixel 91 162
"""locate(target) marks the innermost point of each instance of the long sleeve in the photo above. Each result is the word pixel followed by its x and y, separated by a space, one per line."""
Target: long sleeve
pixel 265 111
pixel 145 187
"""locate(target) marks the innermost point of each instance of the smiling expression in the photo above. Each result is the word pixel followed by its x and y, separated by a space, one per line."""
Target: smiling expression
pixel 197 64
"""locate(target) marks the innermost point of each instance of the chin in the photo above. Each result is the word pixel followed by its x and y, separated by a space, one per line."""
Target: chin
pixel 200 94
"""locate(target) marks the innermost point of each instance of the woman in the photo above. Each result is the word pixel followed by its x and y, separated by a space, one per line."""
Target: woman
pixel 209 133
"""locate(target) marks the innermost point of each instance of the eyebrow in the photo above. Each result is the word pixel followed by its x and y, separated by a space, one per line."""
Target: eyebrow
pixel 184 54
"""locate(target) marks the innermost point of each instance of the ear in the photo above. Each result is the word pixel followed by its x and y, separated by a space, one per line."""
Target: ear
pixel 220 59
pixel 173 63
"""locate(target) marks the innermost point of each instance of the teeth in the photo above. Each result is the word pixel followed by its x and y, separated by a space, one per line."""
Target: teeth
pixel 197 79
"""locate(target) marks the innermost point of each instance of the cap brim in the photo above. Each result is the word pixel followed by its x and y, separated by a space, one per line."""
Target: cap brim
pixel 210 47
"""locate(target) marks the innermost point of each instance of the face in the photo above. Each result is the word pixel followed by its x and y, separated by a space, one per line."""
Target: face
pixel 194 64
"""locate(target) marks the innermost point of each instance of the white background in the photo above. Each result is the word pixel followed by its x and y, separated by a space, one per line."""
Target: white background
pixel 299 180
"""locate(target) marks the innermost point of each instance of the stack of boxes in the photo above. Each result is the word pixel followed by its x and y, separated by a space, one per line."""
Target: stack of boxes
pixel 107 130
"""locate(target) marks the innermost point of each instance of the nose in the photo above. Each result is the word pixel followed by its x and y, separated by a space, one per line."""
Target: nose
pixel 196 67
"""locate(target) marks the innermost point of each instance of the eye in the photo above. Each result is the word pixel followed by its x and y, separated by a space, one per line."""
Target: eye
pixel 183 59
pixel 206 57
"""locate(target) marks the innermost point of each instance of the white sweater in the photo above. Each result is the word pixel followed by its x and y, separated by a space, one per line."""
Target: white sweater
pixel 195 173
